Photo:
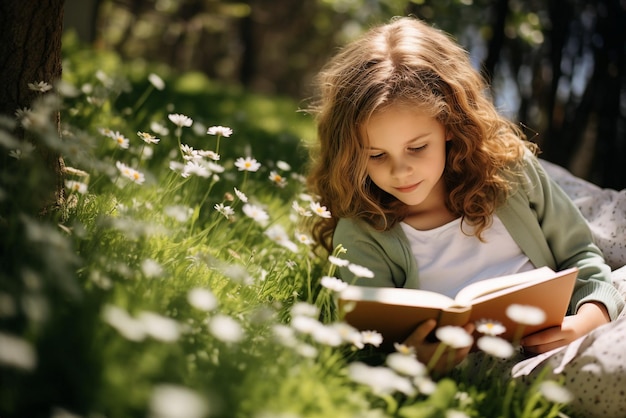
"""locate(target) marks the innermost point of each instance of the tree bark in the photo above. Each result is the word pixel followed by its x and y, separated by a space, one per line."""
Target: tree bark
pixel 30 52
pixel 500 11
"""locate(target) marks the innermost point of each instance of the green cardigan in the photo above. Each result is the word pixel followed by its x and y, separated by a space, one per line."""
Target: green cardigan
pixel 539 216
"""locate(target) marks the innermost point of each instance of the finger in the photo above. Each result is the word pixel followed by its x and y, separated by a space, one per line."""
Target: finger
pixel 418 336
pixel 543 337
pixel 542 348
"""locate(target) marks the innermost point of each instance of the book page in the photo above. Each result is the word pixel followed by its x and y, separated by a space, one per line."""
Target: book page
pixel 397 296
pixel 488 286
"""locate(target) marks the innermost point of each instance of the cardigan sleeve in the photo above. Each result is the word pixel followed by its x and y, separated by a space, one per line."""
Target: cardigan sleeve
pixel 382 253
pixel 570 241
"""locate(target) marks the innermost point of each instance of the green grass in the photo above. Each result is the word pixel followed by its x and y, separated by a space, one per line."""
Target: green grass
pixel 95 297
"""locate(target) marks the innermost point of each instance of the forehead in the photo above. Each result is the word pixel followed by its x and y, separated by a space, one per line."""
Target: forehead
pixel 402 123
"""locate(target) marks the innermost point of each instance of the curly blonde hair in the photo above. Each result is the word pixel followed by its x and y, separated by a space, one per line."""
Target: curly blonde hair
pixel 410 63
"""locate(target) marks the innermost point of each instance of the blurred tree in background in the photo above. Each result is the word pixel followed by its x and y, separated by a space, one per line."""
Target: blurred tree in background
pixel 557 66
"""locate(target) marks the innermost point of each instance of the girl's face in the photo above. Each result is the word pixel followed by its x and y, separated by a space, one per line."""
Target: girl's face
pixel 406 156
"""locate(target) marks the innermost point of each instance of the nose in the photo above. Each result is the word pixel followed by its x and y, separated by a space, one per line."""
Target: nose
pixel 400 167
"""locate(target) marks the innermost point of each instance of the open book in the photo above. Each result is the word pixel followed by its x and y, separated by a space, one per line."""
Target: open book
pixel 396 312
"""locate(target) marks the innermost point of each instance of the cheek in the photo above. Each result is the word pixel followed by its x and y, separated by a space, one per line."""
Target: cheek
pixel 375 174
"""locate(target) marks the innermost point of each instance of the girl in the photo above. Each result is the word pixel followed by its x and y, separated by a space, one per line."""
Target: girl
pixel 429 187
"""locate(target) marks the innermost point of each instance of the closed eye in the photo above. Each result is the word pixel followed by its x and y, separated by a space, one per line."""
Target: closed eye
pixel 377 156
pixel 417 149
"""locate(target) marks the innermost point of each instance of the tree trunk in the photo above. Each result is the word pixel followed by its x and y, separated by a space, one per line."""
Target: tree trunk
pixel 30 52
pixel 500 11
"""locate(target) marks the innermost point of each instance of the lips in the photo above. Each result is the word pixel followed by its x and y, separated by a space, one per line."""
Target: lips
pixel 407 189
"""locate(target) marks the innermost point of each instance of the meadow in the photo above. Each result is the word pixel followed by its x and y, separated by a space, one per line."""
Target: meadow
pixel 178 279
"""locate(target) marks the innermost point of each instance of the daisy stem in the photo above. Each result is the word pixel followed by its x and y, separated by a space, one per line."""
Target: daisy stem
pixel 441 348
pixel 206 195
pixel 508 397
pixel 530 404
pixel 517 337
pixel 485 367
pixel 392 404
pixel 179 132
pixel 309 287
pixel 217 146
pixel 143 98
pixel 141 154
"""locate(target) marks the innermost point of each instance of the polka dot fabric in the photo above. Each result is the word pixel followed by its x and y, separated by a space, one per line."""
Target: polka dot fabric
pixel 593 367
pixel 604 210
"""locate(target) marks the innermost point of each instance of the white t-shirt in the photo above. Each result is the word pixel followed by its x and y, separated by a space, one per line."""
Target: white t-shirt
pixel 449 259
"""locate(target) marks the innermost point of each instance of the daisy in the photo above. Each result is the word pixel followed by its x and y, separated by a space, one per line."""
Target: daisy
pixel 247 164
pixel 227 211
pixel 130 173
pixel 177 166
pixel 525 314
pixel 202 299
pixel 495 346
pixel 554 392
pixel 126 325
pixel 17 352
pixel 303 238
pixel 76 186
pixel 159 128
pixel 382 380
pixel 151 268
pixel 453 413
pixel 193 167
pixel 241 195
pixel 180 120
pixel 320 210
pixel 306 350
pixel 159 327
pixel 372 338
pixel 120 140
pixel 404 349
pixel 300 210
pixel 226 329
pixel 489 327
pixel 285 335
pixel 255 212
pixel 333 283
pixel 326 335
pixel 279 180
pixel 305 324
pixel 455 337
pixel 278 234
pixel 220 130
pixel 407 365
pixel 180 213
pixel 304 309
pixel 148 138
pixel 339 262
pixel 175 401
pixel 209 154
pixel 213 167
pixel 40 86
pixel 156 81
pixel 105 131
pixel 188 152
pixel 348 334
pixel 360 271
pixel 283 165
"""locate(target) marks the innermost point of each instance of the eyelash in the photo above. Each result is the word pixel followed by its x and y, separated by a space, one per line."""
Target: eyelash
pixel 413 150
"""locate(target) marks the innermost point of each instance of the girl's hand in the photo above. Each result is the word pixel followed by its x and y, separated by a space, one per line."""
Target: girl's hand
pixel 425 350
pixel 589 316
